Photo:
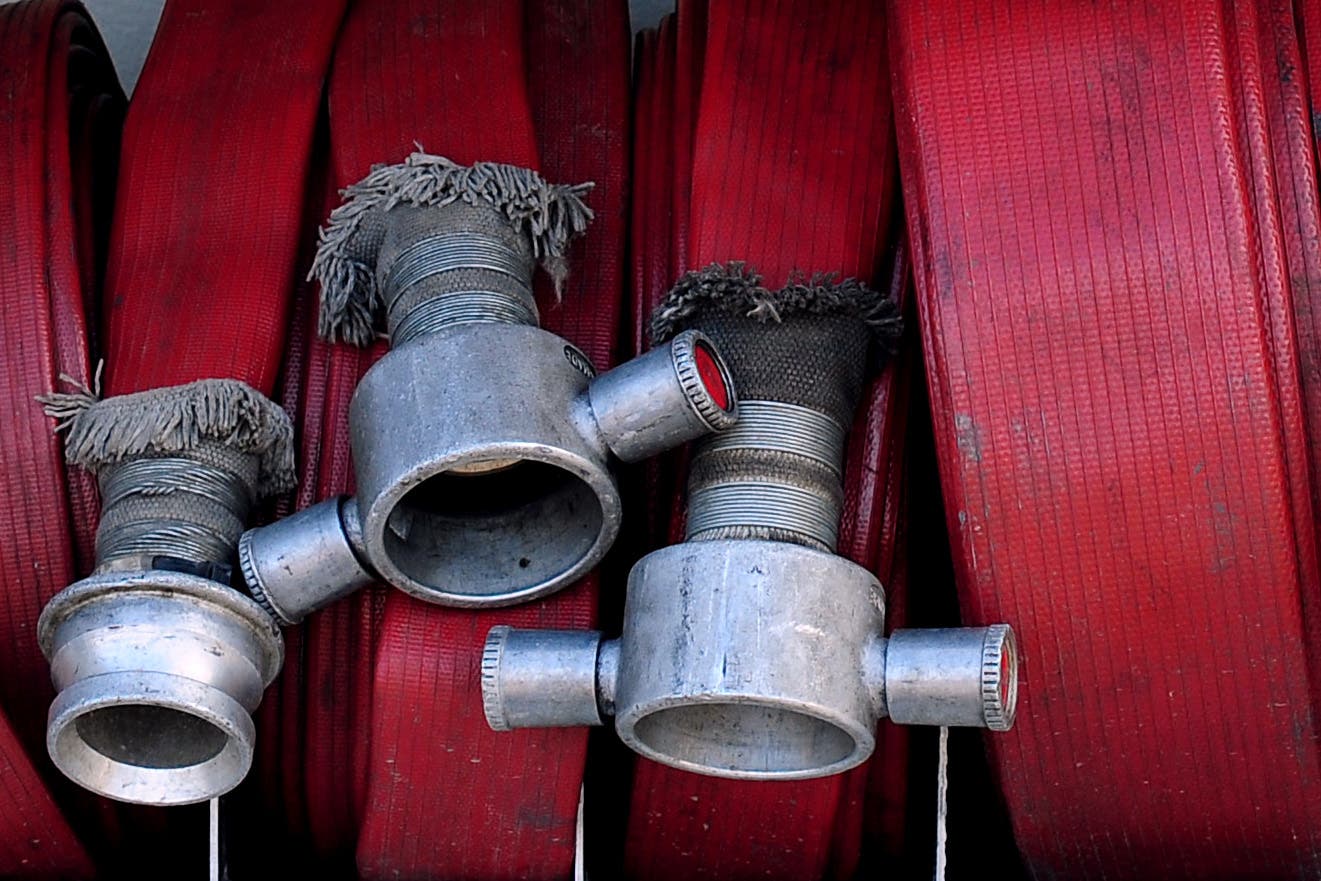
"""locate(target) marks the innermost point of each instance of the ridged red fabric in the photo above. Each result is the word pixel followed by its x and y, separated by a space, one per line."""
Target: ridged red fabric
pixel 60 112
pixel 215 159
pixel 312 729
pixel 380 705
pixel 208 218
pixel 1113 214
pixel 1307 14
pixel 784 160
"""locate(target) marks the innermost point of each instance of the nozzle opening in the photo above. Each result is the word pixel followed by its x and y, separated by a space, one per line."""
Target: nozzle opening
pixel 1002 711
pixel 714 375
pixel 150 738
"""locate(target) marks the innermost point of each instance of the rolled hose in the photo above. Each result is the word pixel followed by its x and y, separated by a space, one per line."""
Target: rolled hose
pixel 1118 316
pixel 197 288
pixel 702 196
pixel 62 107
pixel 390 745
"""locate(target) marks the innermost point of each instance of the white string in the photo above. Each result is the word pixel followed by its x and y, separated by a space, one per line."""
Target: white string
pixel 214 840
pixel 942 802
pixel 579 851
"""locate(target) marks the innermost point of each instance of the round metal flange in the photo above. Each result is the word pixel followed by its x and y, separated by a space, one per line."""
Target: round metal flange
pixel 157 674
pixel 744 659
pixel 481 481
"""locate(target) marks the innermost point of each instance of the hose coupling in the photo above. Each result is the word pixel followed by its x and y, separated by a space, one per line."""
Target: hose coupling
pixel 482 444
pixel 306 561
pixel 753 660
pixel 157 662
pixel 483 456
pixel 752 650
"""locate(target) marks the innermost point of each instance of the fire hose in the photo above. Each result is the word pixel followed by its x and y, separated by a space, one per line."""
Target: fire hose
pixel 62 108
pixel 1113 215
pixel 1140 499
pixel 403 797
pixel 158 662
pixel 254 428
pixel 726 828
pixel 764 496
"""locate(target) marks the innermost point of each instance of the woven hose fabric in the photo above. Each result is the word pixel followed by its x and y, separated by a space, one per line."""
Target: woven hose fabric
pixel 785 161
pixel 379 754
pixel 209 213
pixel 1113 216
pixel 210 206
pixel 60 112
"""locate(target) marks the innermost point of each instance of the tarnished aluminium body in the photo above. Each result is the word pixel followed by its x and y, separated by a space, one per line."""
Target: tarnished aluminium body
pixel 157 662
pixel 483 445
pixel 751 650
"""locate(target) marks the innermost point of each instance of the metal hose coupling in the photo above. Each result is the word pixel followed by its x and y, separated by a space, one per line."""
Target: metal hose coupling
pixel 482 444
pixel 752 650
pixel 158 663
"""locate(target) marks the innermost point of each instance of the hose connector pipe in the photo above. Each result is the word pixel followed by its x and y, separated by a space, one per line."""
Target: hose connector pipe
pixel 752 650
pixel 305 561
pixel 157 661
pixel 482 444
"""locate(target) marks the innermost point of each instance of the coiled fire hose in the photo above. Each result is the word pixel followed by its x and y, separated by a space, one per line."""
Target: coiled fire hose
pixel 62 108
pixel 430 792
pixel 158 661
pixel 686 200
pixel 657 680
pixel 1165 223
pixel 1113 213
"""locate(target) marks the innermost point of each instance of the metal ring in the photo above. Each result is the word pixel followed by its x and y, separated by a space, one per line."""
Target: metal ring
pixel 166 475
pixel 785 428
pixel 753 504
pixel 452 251
pixel 461 307
pixel 161 478
pixel 175 538
pixel 999 677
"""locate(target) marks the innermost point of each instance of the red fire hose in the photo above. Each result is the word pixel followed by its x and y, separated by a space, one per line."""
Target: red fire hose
pixel 1115 235
pixel 210 204
pixel 209 211
pixel 1113 213
pixel 784 160
pixel 397 755
pixel 61 107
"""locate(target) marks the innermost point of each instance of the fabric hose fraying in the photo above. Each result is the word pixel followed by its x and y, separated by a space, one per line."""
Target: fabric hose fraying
pixel 734 289
pixel 551 215
pixel 176 419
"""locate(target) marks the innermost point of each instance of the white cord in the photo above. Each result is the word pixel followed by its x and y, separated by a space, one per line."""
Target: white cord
pixel 942 802
pixel 579 851
pixel 214 836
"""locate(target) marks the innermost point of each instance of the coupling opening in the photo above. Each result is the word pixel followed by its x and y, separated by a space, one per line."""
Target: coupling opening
pixel 748 739
pixel 156 674
pixel 1000 677
pixel 150 738
pixel 496 529
pixel 713 373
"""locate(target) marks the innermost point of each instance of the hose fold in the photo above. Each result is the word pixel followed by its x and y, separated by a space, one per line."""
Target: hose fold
pixel 1113 214
pixel 62 108
pixel 540 86
pixel 787 165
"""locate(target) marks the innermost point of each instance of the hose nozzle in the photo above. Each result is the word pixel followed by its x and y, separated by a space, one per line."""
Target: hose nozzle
pixel 752 650
pixel 483 445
